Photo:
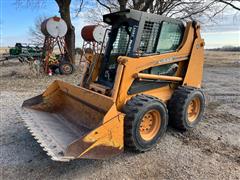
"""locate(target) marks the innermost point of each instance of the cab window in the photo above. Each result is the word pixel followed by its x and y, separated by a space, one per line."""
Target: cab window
pixel 161 37
pixel 170 37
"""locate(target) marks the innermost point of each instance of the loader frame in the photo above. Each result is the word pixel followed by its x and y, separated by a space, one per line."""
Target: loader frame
pixel 100 112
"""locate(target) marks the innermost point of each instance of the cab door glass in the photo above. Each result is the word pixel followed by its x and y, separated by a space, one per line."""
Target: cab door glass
pixel 170 37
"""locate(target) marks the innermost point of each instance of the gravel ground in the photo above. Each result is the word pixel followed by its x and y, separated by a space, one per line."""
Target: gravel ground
pixel 211 151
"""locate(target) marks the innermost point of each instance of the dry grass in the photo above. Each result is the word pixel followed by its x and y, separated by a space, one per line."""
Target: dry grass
pixel 4 50
pixel 221 58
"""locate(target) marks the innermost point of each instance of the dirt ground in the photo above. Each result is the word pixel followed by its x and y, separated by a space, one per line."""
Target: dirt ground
pixel 211 151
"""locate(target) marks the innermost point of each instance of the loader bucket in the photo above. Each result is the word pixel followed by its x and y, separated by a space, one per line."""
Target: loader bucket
pixel 73 122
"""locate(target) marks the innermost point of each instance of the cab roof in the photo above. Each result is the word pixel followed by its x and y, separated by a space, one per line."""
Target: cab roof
pixel 131 14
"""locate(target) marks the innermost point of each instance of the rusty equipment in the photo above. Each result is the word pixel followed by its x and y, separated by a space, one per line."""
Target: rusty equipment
pixel 54 30
pixel 150 72
pixel 94 45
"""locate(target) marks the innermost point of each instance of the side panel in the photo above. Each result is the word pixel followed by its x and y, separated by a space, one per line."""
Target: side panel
pixel 163 93
pixel 101 143
pixel 194 72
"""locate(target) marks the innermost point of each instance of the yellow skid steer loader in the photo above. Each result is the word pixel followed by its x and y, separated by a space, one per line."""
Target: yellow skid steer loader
pixel 150 72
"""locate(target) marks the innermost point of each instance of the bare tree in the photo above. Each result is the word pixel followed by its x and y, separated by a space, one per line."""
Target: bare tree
pixel 122 4
pixel 230 3
pixel 95 12
pixel 182 9
pixel 37 36
pixel 64 10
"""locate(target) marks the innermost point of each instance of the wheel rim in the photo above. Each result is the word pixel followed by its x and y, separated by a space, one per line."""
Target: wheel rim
pixel 194 109
pixel 66 68
pixel 150 125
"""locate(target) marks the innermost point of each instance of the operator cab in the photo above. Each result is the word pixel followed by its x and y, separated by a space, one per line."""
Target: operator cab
pixel 135 32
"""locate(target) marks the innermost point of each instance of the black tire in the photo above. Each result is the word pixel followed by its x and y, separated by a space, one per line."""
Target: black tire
pixel 178 107
pixel 135 109
pixel 66 68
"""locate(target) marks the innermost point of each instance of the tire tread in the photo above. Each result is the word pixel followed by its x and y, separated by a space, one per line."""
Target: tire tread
pixel 131 109
pixel 176 106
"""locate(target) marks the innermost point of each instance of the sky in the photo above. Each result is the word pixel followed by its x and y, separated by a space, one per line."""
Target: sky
pixel 15 23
